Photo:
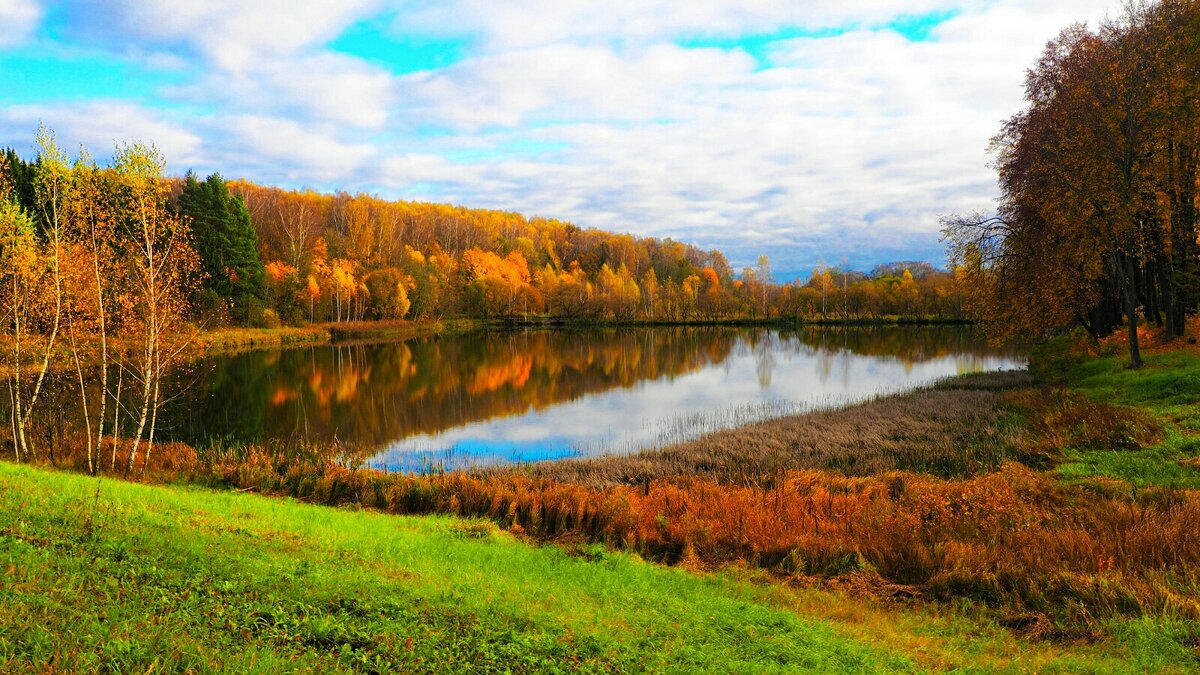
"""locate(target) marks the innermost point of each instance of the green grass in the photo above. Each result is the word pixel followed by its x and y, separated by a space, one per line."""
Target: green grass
pixel 105 575
pixel 183 578
pixel 1167 387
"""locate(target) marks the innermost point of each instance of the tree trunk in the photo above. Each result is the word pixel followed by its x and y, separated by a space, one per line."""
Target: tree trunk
pixel 83 401
pixel 147 390
pixel 1125 267
pixel 116 424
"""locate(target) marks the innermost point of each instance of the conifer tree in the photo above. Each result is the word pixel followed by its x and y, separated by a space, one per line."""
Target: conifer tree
pixel 226 242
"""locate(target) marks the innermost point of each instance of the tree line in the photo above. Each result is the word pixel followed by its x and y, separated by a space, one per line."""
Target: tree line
pixel 109 270
pixel 267 256
pixel 1097 221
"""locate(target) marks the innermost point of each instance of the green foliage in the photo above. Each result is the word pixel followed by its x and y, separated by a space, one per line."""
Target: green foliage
pixel 1050 359
pixel 226 242
pixel 1168 389
pixel 133 578
pixel 19 178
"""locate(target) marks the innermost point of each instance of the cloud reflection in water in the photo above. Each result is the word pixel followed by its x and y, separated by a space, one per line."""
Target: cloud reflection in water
pixel 760 379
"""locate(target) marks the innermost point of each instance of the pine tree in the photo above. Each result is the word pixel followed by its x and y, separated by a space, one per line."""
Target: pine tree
pixel 20 179
pixel 227 243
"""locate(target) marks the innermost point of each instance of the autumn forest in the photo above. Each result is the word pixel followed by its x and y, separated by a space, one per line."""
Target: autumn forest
pixel 252 428
pixel 260 256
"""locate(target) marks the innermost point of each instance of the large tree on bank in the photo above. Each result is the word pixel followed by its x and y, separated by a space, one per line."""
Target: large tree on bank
pixel 1097 218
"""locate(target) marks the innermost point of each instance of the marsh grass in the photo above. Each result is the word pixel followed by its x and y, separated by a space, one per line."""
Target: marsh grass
pixel 110 576
pixel 957 428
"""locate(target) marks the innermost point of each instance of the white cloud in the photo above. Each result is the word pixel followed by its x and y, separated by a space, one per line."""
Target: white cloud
pixel 592 112
pixel 18 19
pixel 569 82
pixel 232 34
pixel 323 88
pixel 310 156
pixel 100 126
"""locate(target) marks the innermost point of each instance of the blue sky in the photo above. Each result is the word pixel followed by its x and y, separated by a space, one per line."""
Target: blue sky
pixel 818 131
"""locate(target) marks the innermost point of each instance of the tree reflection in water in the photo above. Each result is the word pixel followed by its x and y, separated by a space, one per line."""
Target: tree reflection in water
pixel 528 395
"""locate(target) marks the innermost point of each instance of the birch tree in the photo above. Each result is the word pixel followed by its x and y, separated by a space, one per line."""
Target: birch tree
pixel 159 262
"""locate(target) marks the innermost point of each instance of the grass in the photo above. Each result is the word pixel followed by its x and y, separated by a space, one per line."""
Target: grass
pixel 1166 389
pixel 121 577
pixel 959 428
pixel 377 331
pixel 236 339
pixel 134 577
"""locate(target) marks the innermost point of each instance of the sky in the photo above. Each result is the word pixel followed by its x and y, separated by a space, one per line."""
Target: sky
pixel 820 131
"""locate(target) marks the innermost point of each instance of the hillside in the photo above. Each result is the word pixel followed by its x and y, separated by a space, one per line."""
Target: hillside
pixel 106 574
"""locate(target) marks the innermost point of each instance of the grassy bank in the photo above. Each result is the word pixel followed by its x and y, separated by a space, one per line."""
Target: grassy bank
pixel 376 331
pixel 1167 391
pixel 1065 509
pixel 102 574
pixel 235 339
pixel 232 340
pixel 775 321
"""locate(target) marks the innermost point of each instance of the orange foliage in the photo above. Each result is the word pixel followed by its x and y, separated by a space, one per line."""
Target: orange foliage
pixel 513 373
pixel 278 270
pixel 1014 536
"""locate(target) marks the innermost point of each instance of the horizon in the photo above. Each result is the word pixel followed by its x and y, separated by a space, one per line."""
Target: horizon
pixel 814 135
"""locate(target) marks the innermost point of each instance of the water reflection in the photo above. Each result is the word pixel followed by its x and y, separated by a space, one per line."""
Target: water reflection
pixel 524 396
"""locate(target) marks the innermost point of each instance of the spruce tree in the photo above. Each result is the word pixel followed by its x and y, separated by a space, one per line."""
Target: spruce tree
pixel 226 242
pixel 20 179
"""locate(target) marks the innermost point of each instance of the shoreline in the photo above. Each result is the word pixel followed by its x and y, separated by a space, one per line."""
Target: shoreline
pixel 924 494
pixel 234 339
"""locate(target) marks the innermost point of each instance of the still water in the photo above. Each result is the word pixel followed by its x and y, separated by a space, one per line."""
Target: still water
pixel 520 396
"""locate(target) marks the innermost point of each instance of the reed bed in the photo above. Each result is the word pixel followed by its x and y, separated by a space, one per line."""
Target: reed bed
pixel 1015 538
pixel 954 429
pixel 917 492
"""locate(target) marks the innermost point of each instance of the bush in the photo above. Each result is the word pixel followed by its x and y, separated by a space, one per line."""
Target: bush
pixel 251 311
pixel 267 318
pixel 1050 360
pixel 210 308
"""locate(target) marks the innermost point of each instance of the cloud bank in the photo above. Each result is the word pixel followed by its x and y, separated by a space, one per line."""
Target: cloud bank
pixel 806 131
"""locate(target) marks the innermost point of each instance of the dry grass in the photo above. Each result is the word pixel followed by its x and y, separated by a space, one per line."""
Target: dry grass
pixel 842 495
pixel 1153 340
pixel 232 339
pixel 397 329
pixel 1015 539
pixel 959 428
pixel 1058 419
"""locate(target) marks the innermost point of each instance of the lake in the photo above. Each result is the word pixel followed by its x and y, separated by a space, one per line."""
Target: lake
pixel 527 395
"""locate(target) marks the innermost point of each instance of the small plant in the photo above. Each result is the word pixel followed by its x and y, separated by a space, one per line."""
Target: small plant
pixel 476 529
